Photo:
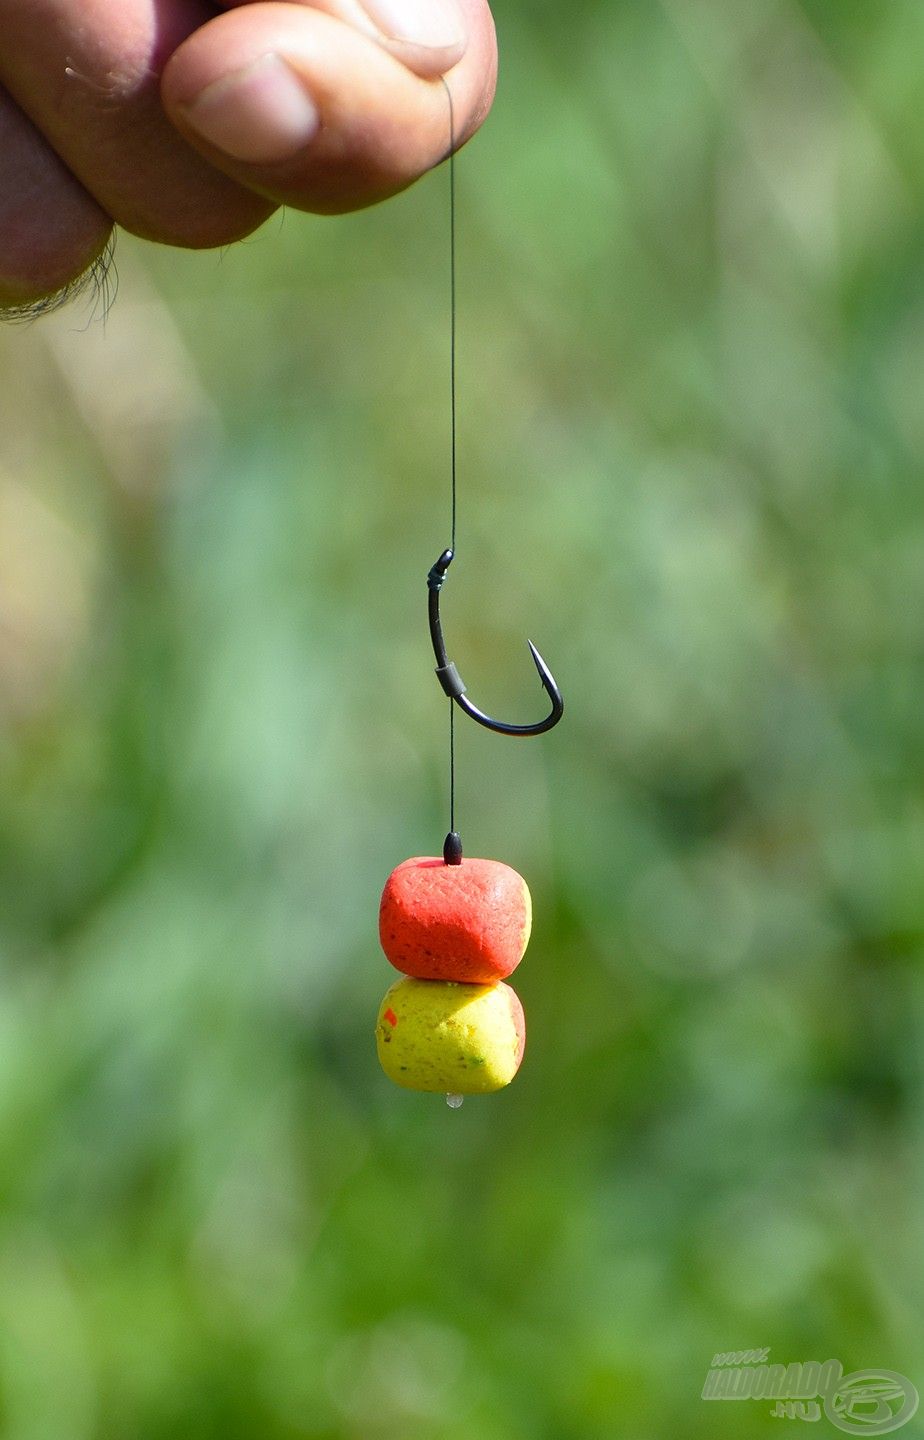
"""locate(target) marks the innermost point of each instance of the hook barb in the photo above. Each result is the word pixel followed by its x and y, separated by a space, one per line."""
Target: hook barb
pixel 452 682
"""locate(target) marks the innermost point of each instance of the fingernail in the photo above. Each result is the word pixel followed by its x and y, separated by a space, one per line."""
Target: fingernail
pixel 433 23
pixel 262 114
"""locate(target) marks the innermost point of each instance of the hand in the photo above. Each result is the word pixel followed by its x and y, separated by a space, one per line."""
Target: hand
pixel 189 123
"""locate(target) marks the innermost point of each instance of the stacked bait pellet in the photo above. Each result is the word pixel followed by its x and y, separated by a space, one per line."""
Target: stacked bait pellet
pixel 455 931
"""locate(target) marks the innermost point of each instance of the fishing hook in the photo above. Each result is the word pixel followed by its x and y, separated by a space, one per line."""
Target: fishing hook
pixel 452 682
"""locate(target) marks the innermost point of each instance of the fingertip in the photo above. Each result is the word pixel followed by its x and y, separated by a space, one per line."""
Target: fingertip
pixel 313 113
pixel 260 114
pixel 429 37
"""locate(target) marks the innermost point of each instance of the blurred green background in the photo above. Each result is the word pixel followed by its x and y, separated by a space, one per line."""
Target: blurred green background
pixel 691 277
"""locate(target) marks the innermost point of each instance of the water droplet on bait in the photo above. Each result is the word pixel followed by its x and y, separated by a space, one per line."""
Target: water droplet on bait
pixel 454 1101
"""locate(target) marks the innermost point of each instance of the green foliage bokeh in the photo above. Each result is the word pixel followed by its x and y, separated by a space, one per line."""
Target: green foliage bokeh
pixel 691 279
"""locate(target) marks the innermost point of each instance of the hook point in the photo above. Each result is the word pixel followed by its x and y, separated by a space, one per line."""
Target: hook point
pixel 545 674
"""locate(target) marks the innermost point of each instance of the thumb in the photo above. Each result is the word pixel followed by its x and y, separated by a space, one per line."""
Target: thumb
pixel 325 108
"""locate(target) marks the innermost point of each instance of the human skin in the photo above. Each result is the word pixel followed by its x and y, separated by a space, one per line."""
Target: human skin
pixel 189 123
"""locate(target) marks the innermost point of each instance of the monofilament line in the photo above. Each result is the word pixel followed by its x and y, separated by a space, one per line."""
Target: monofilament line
pixel 452 414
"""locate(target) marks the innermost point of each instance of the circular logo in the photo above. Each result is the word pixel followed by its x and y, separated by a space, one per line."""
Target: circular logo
pixel 871 1402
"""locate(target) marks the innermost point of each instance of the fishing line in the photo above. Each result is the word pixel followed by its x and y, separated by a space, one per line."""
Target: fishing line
pixel 453 426
pixel 452 307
